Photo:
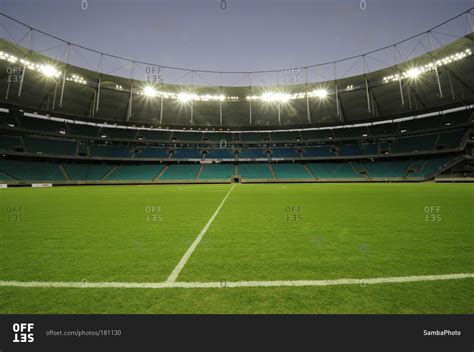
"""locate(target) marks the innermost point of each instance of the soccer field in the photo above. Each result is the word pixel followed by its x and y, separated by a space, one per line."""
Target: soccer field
pixel 268 248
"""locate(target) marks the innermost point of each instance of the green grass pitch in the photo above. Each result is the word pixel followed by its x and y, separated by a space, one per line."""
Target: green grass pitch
pixel 263 232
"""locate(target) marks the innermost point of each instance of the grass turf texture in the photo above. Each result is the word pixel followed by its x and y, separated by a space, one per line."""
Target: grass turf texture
pixel 340 231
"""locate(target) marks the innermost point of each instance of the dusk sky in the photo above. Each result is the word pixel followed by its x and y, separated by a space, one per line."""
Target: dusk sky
pixel 247 35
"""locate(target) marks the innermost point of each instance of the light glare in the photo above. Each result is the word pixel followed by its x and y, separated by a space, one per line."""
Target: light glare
pixel 321 93
pixel 49 71
pixel 413 73
pixel 149 91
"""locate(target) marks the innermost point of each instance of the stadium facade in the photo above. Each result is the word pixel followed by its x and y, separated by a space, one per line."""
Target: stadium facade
pixel 64 123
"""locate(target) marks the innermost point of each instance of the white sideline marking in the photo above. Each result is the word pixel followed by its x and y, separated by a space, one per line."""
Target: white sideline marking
pixel 174 275
pixel 283 283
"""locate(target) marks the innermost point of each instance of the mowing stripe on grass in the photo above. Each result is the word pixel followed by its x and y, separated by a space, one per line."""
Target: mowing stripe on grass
pixel 230 284
pixel 174 275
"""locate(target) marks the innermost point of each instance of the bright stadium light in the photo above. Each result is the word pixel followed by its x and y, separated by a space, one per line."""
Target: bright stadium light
pixel 149 91
pixel 49 71
pixel 429 67
pixel 271 97
pixel 209 97
pixel 268 97
pixel 185 97
pixel 414 72
pixel 320 93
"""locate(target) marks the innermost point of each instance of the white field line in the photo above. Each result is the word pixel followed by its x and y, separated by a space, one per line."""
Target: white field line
pixel 231 284
pixel 174 275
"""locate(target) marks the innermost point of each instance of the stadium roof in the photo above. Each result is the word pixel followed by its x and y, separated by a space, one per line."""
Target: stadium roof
pixel 438 79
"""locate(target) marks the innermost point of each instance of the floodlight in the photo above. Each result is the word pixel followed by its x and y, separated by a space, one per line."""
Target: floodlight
pixel 185 97
pixel 283 97
pixel 321 93
pixel 271 96
pixel 149 91
pixel 414 72
pixel 49 71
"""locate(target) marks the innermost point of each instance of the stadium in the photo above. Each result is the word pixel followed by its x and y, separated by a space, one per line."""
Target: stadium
pixel 131 187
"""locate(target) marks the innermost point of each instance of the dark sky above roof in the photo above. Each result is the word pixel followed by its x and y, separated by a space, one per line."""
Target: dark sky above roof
pixel 247 35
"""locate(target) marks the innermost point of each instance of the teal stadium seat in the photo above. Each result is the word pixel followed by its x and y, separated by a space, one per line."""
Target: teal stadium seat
pixel 180 172
pixel 431 166
pixel 135 172
pixel 9 142
pixel 293 171
pixel 252 153
pixel 334 170
pixel 451 139
pixel 150 152
pixel 387 169
pixel 38 171
pixel 4 177
pixel 49 146
pixel 317 151
pixel 217 172
pixel 255 171
pixel 110 151
pixel 414 144
pixel 87 172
